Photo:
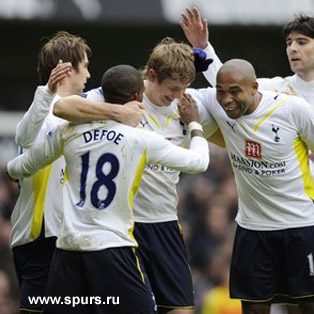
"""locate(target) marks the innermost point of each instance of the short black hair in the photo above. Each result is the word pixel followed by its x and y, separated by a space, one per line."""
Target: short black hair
pixel 302 24
pixel 120 83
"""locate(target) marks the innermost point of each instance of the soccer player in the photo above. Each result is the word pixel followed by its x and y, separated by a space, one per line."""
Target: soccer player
pixel 169 71
pixel 299 36
pixel 104 165
pixel 267 137
pixel 63 66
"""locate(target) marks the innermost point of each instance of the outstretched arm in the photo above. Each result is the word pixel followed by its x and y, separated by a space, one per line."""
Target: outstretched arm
pixel 29 127
pixel 78 109
pixel 196 31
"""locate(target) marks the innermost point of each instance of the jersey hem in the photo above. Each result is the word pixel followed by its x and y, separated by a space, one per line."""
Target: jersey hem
pixel 113 246
pixel 273 298
pixel 269 227
pixel 155 220
pixel 18 244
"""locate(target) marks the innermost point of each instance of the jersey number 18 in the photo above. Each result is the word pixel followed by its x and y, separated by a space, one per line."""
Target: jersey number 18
pixel 103 180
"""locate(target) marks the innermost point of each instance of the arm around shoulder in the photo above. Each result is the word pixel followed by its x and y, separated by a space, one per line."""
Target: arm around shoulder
pixel 78 109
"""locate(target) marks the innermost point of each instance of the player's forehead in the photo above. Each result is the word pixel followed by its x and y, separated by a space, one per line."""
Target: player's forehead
pixel 298 36
pixel 174 83
pixel 230 80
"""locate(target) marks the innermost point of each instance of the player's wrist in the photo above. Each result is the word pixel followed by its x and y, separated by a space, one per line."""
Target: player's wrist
pixel 202 45
pixel 195 126
pixel 114 112
pixel 49 90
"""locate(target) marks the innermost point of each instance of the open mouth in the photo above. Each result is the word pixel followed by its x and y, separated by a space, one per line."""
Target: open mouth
pixel 169 98
pixel 228 109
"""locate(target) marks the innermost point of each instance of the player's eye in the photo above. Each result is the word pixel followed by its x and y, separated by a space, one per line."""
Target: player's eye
pixel 302 42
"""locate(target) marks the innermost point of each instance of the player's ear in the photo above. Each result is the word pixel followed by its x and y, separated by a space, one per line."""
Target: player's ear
pixel 255 87
pixel 151 75
pixel 139 96
pixel 133 96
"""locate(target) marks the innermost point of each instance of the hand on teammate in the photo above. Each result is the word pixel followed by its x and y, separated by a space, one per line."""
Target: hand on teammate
pixel 61 71
pixel 132 113
pixel 195 29
pixel 188 109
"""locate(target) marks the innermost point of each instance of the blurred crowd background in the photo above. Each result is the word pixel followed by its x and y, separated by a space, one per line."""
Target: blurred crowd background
pixel 122 31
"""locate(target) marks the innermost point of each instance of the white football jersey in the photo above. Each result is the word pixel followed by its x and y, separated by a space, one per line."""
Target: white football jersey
pixel 291 85
pixel 268 151
pixel 104 166
pixel 157 198
pixel 37 202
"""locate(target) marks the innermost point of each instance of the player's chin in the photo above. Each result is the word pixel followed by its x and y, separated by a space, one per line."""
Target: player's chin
pixel 295 67
pixel 233 114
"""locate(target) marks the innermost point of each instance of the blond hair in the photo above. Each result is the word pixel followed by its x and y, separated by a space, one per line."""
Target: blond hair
pixel 171 60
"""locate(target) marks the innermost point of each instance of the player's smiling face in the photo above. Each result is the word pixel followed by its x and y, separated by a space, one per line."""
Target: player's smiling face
pixel 163 93
pixel 235 94
pixel 300 52
pixel 168 90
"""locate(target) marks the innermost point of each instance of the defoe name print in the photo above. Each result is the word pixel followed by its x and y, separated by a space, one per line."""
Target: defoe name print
pixel 99 135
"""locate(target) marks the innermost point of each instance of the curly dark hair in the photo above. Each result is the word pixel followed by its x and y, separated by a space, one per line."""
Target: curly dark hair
pixel 120 83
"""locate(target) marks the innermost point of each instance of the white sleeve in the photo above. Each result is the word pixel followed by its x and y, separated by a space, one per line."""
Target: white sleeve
pixel 302 115
pixel 163 152
pixel 29 127
pixel 274 84
pixel 214 67
pixel 38 157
